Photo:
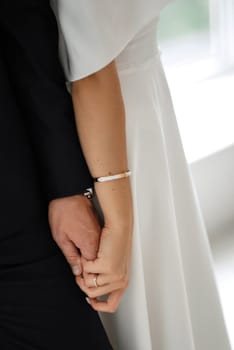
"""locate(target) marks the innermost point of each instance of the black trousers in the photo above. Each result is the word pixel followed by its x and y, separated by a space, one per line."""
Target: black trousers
pixel 41 307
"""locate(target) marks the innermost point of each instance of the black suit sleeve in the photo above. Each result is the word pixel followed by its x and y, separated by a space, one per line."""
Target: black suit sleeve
pixel 31 49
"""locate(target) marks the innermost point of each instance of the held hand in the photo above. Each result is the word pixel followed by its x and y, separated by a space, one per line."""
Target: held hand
pixel 74 225
pixel 111 269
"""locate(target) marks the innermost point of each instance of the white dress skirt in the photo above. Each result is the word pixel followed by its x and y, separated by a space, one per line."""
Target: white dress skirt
pixel 172 302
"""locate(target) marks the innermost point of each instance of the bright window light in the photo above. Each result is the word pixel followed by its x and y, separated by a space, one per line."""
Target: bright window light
pixel 196 41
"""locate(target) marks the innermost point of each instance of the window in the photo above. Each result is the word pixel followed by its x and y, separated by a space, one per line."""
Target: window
pixel 197 45
pixel 195 30
pixel 184 30
pixel 222 32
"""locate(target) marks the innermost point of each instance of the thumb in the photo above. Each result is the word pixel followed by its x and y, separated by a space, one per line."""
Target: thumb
pixel 72 256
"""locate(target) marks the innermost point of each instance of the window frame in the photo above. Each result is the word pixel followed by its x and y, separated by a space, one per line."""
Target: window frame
pixel 222 33
pixel 215 66
pixel 219 57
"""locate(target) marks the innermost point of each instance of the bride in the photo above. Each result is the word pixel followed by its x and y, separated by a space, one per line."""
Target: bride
pixel 125 120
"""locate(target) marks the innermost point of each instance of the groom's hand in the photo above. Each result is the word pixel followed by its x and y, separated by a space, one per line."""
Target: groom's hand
pixel 74 224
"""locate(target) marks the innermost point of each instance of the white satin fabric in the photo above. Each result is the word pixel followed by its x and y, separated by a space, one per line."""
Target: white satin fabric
pixel 96 31
pixel 172 302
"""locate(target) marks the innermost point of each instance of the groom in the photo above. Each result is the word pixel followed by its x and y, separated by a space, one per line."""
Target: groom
pixel 42 173
pixel 43 170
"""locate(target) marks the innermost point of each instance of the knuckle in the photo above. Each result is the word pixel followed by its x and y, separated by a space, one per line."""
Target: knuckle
pixel 89 254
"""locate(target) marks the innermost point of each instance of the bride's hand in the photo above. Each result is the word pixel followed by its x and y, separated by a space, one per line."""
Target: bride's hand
pixel 100 119
pixel 111 269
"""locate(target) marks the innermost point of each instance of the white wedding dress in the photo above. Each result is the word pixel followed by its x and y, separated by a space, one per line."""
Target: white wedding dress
pixel 172 301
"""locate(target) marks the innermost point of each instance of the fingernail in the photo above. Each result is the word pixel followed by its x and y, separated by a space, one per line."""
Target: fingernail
pixel 88 301
pixel 76 270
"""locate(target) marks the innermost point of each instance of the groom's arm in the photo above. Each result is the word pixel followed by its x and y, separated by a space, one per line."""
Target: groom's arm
pixel 31 48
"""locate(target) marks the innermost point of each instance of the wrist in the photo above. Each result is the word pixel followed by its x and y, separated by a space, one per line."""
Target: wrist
pixel 87 192
pixel 82 198
pixel 115 200
pixel 123 225
pixel 112 177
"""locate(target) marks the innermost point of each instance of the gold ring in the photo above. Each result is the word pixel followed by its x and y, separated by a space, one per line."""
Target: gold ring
pixel 95 281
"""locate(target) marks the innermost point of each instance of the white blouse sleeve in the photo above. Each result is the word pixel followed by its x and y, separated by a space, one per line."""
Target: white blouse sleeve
pixel 94 32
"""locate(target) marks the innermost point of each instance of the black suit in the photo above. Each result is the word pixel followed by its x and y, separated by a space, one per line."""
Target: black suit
pixel 41 159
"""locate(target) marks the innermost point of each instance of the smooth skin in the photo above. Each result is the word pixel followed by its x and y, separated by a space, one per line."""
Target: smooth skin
pixel 75 229
pixel 100 119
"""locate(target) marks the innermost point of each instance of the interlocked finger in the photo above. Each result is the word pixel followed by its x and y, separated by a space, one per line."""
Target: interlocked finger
pixel 72 256
pixel 110 305
pixel 97 280
pixel 90 280
pixel 96 292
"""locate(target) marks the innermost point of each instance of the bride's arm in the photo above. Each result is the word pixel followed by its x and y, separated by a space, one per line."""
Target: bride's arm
pixel 100 119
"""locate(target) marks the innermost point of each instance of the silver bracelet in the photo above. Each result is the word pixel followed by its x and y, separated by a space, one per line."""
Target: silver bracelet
pixel 113 177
